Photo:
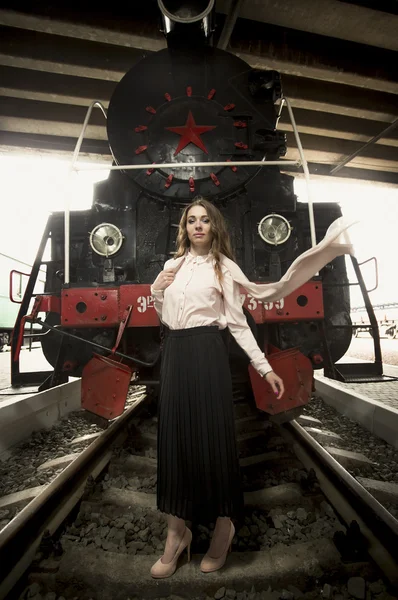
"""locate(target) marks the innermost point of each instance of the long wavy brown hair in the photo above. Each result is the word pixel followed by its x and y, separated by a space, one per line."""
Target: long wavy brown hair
pixel 221 243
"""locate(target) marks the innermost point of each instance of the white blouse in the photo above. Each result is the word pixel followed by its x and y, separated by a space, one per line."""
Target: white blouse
pixel 196 298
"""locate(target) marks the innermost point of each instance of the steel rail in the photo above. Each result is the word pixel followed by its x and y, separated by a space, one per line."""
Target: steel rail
pixel 21 538
pixel 350 500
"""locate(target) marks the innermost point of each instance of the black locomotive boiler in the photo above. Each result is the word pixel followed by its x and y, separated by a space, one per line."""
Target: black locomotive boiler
pixel 186 104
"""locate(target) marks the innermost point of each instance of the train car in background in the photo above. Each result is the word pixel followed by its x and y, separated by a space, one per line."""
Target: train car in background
pixel 386 316
pixel 14 278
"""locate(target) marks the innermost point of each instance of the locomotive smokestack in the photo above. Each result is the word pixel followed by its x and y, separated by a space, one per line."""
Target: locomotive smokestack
pixel 189 22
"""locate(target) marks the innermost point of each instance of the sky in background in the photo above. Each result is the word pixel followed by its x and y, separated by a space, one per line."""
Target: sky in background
pixel 31 187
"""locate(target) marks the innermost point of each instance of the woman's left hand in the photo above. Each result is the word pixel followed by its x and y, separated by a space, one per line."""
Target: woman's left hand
pixel 276 383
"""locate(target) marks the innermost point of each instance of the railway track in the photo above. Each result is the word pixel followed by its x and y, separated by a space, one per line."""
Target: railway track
pixel 94 531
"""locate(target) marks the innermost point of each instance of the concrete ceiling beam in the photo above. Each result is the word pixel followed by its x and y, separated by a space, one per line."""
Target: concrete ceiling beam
pixel 322 171
pixel 337 126
pixel 28 50
pixel 261 45
pixel 262 55
pixel 96 150
pixel 47 118
pixel 53 87
pixel 323 17
pixel 340 99
pixel 51 128
pixel 144 36
pixel 332 151
pixel 331 18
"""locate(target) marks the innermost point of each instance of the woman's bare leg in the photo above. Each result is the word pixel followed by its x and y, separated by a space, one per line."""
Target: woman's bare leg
pixel 175 531
pixel 220 537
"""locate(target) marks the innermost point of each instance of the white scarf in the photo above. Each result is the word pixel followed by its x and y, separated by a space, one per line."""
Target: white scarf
pixel 335 243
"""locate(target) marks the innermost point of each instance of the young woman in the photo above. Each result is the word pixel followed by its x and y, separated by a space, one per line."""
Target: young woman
pixel 196 296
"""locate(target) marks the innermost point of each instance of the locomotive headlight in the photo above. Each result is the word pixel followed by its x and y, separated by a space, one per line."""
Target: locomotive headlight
pixel 106 239
pixel 274 229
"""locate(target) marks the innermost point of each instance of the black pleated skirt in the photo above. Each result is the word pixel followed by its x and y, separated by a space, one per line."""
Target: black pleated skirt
pixel 198 474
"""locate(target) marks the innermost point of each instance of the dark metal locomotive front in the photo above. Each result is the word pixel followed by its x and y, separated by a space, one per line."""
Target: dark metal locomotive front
pixel 179 106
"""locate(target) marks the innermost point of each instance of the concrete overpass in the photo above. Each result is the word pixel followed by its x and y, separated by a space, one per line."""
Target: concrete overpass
pixel 338 61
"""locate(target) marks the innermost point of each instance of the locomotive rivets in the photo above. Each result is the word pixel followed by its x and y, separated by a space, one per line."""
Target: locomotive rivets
pixel 103 317
pixel 240 124
pixel 103 296
pixel 150 171
pixel 214 179
pixel 169 181
pixel 141 149
pixel 234 168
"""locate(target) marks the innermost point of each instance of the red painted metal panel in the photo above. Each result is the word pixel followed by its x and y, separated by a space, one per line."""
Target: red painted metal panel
pixel 306 303
pixel 105 383
pixel 46 303
pixel 90 307
pixel 139 296
pixel 296 371
pixel 104 307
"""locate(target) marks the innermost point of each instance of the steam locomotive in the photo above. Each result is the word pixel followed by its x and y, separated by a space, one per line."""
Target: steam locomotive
pixel 190 102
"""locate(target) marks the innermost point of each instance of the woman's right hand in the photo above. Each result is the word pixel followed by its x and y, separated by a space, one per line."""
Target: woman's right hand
pixel 276 383
pixel 163 280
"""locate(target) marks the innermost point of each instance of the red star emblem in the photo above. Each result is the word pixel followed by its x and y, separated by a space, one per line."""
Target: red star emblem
pixel 190 133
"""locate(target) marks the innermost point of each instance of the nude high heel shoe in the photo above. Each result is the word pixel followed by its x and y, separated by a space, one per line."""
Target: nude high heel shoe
pixel 162 570
pixel 210 564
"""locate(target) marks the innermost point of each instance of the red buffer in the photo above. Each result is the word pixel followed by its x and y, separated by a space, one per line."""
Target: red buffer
pixel 105 383
pixel 296 371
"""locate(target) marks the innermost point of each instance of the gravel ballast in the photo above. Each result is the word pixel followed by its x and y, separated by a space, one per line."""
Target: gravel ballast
pixel 354 437
pixel 19 471
pixel 353 587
